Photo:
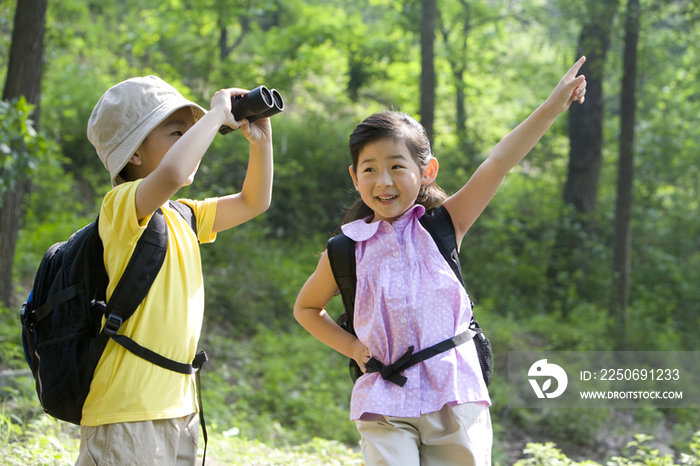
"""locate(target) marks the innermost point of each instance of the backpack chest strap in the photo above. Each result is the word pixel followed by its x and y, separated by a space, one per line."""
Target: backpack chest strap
pixel 392 371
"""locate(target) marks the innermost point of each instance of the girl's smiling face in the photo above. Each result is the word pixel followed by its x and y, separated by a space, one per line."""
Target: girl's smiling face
pixel 389 179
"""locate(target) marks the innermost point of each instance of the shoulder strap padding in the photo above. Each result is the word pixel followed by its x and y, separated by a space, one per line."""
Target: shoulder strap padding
pixel 439 224
pixel 341 254
pixel 144 265
pixel 186 212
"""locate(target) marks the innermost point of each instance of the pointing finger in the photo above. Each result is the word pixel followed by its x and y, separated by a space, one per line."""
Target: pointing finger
pixel 577 66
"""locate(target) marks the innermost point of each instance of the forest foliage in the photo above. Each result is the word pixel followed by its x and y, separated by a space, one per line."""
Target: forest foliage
pixel 336 62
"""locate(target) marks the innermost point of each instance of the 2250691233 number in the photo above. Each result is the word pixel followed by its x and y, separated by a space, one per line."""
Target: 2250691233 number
pixel 639 374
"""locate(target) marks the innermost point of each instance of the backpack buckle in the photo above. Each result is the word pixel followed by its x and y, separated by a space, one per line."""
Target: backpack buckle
pixel 28 318
pixel 199 360
pixel 112 325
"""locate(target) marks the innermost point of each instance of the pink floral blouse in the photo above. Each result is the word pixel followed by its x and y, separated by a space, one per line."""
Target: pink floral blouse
pixel 407 295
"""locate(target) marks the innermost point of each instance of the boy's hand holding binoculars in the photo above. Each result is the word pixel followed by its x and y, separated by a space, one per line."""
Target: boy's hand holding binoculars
pixel 261 102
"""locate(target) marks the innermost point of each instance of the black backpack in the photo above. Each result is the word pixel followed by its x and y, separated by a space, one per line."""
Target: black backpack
pixel 62 317
pixel 341 253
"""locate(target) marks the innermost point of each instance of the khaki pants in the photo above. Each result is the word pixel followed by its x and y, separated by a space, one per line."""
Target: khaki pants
pixel 171 442
pixel 458 435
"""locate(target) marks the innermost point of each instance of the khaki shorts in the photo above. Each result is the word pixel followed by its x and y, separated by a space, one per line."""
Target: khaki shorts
pixel 457 435
pixel 171 442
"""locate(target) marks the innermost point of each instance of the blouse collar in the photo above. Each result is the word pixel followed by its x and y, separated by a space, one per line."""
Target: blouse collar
pixel 362 230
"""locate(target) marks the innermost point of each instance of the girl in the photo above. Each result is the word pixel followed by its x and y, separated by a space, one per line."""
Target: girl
pixel 407 295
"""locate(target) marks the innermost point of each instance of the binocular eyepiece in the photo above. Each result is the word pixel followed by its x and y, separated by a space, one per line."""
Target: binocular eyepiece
pixel 261 102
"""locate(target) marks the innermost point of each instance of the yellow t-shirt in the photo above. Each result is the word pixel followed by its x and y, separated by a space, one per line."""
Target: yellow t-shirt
pixel 126 388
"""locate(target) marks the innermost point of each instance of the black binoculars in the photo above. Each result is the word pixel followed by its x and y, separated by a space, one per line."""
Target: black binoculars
pixel 261 102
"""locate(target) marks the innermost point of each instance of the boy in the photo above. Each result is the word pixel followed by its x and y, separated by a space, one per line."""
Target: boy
pixel 151 140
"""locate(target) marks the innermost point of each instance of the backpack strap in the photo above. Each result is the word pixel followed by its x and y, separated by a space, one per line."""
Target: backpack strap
pixel 132 288
pixel 392 372
pixel 141 270
pixel 439 224
pixel 341 254
pixel 186 212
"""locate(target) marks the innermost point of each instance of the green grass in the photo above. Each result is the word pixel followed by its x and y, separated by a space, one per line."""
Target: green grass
pixel 317 452
pixel 282 398
pixel 45 441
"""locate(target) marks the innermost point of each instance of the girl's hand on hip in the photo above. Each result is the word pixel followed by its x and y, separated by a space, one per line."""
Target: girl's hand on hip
pixel 360 354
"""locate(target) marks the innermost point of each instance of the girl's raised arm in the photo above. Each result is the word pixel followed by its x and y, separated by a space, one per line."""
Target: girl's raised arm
pixel 468 203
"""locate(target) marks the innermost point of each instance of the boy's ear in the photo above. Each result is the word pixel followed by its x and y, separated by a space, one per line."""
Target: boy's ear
pixel 135 159
pixel 354 176
pixel 430 171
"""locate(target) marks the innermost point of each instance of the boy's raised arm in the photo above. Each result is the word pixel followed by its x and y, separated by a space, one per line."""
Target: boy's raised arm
pixel 256 193
pixel 468 203
pixel 179 164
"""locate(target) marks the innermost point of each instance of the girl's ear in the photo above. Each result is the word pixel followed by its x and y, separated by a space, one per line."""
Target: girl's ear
pixel 430 171
pixel 353 176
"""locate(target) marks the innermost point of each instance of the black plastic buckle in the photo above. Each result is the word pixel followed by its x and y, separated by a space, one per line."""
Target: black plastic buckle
pixel 200 359
pixel 112 325
pixel 28 319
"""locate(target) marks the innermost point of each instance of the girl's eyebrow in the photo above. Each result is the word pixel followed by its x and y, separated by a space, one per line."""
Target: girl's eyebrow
pixel 396 156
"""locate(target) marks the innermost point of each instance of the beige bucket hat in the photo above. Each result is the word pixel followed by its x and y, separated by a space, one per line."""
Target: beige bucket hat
pixel 127 113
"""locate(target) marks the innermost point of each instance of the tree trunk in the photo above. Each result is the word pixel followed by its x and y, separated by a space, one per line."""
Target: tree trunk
pixel 457 58
pixel 457 66
pixel 427 76
pixel 458 72
pixel 623 208
pixel 585 155
pixel 461 107
pixel 23 78
pixel 586 121
pixel 26 54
